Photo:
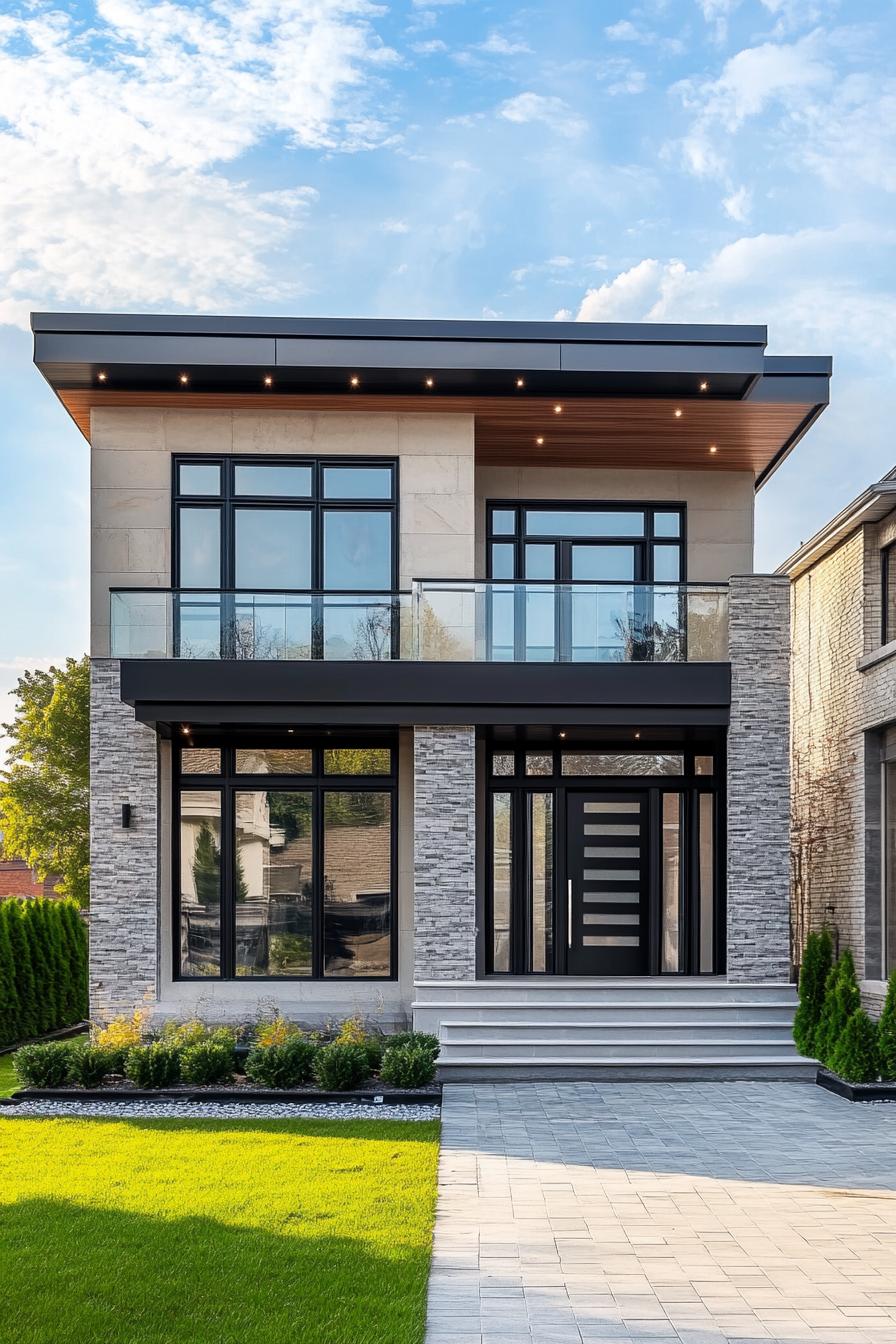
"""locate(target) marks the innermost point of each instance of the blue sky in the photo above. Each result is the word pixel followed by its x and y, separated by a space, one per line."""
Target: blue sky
pixel 717 160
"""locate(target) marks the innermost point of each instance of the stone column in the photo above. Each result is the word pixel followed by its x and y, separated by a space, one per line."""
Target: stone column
pixel 444 853
pixel 124 935
pixel 759 779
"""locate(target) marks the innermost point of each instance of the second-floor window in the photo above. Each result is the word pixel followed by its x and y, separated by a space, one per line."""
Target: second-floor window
pixel 888 594
pixel 597 542
pixel 285 524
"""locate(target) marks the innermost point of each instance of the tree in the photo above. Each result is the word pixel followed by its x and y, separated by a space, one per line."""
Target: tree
pixel 207 866
pixel 855 1054
pixel 44 791
pixel 841 999
pixel 886 1040
pixel 816 964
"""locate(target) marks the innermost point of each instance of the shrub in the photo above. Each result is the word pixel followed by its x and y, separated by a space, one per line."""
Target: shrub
pixel 43 1065
pixel 352 1032
pixel 120 1034
pixel 155 1065
pixel 339 1068
pixel 841 1000
pixel 886 1033
pixel 43 967
pixel 206 1062
pixel 276 1032
pixel 181 1035
pixel 284 1065
pixel 817 959
pixel 422 1038
pixel 90 1065
pixel 408 1065
pixel 855 1055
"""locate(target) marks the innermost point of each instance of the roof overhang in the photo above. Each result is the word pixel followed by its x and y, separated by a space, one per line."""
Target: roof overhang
pixel 870 507
pixel 620 383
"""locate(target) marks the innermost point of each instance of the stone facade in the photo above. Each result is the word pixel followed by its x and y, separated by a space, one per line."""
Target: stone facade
pixel 843 693
pixel 759 780
pixel 124 942
pixel 444 853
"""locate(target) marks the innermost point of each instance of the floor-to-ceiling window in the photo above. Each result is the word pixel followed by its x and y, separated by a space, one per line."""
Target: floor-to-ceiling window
pixel 284 859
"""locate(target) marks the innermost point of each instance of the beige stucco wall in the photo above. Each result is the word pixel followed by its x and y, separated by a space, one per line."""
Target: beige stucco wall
pixel 719 506
pixel 843 689
pixel 131 484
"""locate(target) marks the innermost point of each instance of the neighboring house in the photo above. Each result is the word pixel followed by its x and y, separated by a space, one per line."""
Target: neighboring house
pixel 431 679
pixel 18 879
pixel 843 602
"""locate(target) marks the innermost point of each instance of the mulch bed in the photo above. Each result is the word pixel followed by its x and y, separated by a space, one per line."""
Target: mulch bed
pixel 855 1091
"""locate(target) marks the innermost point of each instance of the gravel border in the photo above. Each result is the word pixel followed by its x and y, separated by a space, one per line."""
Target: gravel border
pixel 207 1110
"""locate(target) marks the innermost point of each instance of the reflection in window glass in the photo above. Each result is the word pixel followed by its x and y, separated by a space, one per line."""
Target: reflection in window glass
pixel 273 883
pixel 539 763
pixel 501 882
pixel 702 765
pixel 671 879
pixel 503 522
pixel 357 883
pixel 272 481
pixel 503 763
pixel 666 564
pixel 620 763
pixel 357 550
pixel 541 878
pixel 890 867
pixel 583 523
pixel 357 483
pixel 273 548
pixel 706 880
pixel 502 560
pixel 889 583
pixel 540 560
pixel 273 761
pixel 200 882
pixel 199 478
pixel 357 761
pixel 200 546
pixel 604 562
pixel 667 524
pixel 200 761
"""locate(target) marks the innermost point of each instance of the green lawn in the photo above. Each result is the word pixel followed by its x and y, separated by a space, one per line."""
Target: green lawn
pixel 198 1232
pixel 9 1083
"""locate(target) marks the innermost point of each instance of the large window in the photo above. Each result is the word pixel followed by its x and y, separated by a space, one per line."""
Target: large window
pixel 284 524
pixel 570 542
pixel 285 858
pixel 888 594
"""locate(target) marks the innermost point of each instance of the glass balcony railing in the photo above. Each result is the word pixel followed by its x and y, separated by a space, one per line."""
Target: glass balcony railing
pixel 437 621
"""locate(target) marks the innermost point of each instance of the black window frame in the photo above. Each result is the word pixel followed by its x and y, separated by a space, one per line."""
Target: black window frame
pixel 689 785
pixel 887 635
pixel 315 503
pixel 227 784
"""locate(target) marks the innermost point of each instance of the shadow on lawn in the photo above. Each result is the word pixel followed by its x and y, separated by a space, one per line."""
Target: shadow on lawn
pixel 101 1276
pixel 383 1131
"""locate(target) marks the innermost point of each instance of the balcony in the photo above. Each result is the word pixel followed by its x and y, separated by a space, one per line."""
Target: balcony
pixel 468 621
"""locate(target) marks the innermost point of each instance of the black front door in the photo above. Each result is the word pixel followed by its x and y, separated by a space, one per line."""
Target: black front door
pixel 606 857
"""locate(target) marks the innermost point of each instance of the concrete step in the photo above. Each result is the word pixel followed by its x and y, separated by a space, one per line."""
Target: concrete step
pixel 597 1049
pixel 585 1011
pixel 610 1031
pixel 628 1069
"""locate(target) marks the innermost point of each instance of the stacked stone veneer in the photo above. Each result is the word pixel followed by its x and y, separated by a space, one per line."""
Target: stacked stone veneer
pixel 759 779
pixel 123 862
pixel 444 853
pixel 843 694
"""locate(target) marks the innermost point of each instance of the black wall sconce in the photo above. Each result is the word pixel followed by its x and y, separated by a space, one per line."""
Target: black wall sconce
pixel 126 816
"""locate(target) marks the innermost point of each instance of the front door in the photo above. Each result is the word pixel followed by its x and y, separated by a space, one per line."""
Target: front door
pixel 606 855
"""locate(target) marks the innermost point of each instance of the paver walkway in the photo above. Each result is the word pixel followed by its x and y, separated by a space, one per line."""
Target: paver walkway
pixel 675 1213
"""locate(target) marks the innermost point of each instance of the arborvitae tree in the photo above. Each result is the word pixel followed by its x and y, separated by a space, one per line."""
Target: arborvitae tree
pixel 75 950
pixel 9 999
pixel 26 983
pixel 841 999
pixel 817 958
pixel 207 866
pixel 855 1054
pixel 886 1033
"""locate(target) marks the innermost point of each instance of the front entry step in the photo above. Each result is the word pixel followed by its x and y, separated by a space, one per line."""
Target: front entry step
pixel 611 1029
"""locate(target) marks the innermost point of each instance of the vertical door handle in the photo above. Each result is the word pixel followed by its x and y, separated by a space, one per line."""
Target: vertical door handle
pixel 569 913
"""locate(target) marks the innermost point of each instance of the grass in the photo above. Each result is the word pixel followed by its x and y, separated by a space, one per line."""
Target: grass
pixel 198 1232
pixel 9 1083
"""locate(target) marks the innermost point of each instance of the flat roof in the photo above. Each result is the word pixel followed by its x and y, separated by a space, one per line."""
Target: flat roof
pixel 605 373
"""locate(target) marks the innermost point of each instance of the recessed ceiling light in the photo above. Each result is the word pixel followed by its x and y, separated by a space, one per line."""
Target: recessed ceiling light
pixel 713 448
pixel 268 380
pixel 184 379
pixel 539 440
pixel 561 734
pixel 354 381
pixel 430 382
pixel 557 409
pixel 637 735
pixel 521 382
pixel 678 412
pixel 704 387
pixel 102 376
pixel 185 728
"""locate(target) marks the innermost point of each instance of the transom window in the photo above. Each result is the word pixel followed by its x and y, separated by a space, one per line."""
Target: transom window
pixel 285 524
pixel 570 541
pixel 285 860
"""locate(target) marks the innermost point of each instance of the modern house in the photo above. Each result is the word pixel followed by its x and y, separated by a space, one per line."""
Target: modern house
pixel 432 680
pixel 843 695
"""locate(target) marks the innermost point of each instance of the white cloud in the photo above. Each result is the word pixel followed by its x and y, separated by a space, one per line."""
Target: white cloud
pixel 537 107
pixel 717 13
pixel 430 48
pixel 115 138
pixel 623 31
pixel 737 206
pixel 395 226
pixel 499 45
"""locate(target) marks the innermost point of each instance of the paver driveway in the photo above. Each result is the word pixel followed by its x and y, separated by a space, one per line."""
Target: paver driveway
pixel 667 1212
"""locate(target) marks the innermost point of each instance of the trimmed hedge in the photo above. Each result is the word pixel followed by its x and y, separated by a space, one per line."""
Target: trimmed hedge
pixel 43 967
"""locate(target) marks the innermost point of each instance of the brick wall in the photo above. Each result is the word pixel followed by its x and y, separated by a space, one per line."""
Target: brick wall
pixel 123 862
pixel 758 780
pixel 444 853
